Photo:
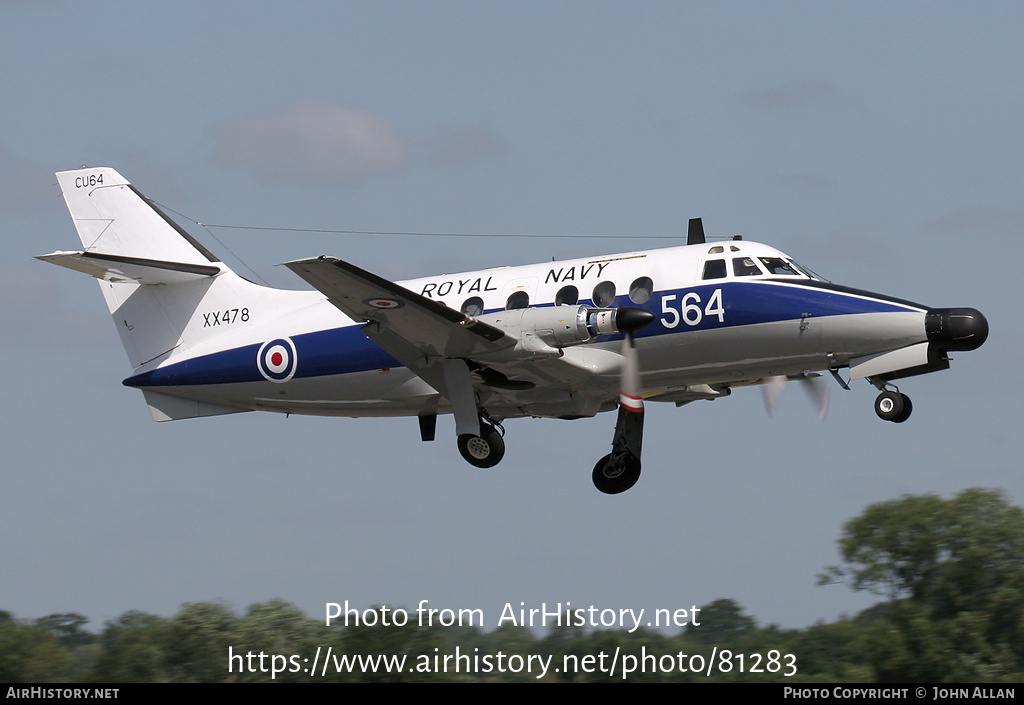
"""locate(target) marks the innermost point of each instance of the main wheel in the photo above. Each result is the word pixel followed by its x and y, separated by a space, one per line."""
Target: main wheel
pixel 483 451
pixel 615 477
pixel 890 406
pixel 907 408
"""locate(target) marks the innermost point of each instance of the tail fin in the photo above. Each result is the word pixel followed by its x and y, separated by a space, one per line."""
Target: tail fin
pixel 154 276
pixel 113 218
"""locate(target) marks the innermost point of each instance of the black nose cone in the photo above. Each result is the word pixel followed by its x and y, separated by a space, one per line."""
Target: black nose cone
pixel 956 328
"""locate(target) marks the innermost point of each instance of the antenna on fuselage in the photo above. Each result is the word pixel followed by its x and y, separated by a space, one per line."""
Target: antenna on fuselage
pixel 695 233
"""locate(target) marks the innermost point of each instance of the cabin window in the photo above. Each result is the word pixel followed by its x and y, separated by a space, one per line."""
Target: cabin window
pixel 777 265
pixel 518 299
pixel 473 306
pixel 604 294
pixel 640 290
pixel 744 267
pixel 714 269
pixel 567 296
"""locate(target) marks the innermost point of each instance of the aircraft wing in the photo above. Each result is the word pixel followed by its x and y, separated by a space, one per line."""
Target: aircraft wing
pixel 419 332
pixel 427 337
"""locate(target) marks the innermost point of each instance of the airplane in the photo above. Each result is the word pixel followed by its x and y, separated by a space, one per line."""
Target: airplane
pixel 565 340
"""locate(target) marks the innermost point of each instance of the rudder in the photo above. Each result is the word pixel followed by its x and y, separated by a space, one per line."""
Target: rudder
pixel 113 218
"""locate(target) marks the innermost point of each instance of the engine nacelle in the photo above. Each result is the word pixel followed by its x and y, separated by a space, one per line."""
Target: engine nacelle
pixel 557 326
pixel 545 330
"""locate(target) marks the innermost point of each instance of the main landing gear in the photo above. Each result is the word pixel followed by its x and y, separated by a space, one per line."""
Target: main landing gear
pixel 620 469
pixel 485 450
pixel 893 406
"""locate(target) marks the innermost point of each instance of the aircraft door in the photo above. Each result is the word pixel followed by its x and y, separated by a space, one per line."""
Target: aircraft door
pixel 519 293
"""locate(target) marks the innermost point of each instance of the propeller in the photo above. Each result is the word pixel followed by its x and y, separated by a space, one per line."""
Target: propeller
pixel 620 469
pixel 817 389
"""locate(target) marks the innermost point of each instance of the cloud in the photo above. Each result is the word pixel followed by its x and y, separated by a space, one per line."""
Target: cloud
pixel 1008 222
pixel 463 146
pixel 311 141
pixel 794 94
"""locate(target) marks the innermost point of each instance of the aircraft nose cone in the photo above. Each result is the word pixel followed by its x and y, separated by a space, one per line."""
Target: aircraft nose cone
pixel 629 318
pixel 956 328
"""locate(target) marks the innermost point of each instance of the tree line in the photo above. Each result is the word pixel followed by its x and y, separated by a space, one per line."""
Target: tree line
pixel 949 572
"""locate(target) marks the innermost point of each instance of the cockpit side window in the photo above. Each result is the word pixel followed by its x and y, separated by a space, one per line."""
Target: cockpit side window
pixel 744 267
pixel 714 269
pixel 777 265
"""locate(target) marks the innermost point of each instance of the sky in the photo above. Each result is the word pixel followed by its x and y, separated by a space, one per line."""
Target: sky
pixel 877 142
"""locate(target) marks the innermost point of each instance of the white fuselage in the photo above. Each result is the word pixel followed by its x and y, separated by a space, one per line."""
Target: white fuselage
pixel 728 313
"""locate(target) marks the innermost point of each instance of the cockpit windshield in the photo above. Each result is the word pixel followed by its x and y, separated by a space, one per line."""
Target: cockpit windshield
pixel 745 267
pixel 808 271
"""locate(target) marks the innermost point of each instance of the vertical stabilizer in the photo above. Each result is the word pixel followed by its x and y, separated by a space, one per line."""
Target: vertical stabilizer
pixel 156 278
pixel 114 219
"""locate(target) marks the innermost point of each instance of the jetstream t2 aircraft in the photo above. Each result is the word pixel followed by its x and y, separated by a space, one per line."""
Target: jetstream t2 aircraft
pixel 562 339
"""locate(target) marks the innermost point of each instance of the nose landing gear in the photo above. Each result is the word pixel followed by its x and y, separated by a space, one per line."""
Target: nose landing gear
pixel 893 406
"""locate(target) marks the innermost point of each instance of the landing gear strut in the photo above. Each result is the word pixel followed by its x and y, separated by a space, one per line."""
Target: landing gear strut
pixel 893 406
pixel 620 469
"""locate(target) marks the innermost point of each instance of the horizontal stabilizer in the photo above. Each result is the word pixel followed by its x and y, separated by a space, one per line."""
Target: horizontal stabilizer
pixel 120 268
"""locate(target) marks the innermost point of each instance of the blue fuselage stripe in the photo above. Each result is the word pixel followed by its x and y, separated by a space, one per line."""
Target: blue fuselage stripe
pixel 345 350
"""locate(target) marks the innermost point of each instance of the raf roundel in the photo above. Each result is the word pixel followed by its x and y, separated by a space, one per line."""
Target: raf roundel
pixel 383 303
pixel 277 360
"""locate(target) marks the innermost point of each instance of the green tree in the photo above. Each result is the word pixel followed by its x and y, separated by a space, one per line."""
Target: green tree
pixel 721 621
pixel 277 628
pixel 133 650
pixel 29 653
pixel 894 548
pixel 954 572
pixel 68 627
pixel 198 638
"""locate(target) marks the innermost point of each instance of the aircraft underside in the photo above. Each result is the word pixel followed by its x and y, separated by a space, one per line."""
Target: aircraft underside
pixel 676 368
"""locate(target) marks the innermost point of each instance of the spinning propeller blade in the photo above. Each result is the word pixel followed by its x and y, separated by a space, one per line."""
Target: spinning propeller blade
pixel 817 389
pixel 820 393
pixel 772 390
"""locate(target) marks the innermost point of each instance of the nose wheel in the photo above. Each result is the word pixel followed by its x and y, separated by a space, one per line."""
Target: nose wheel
pixel 893 406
